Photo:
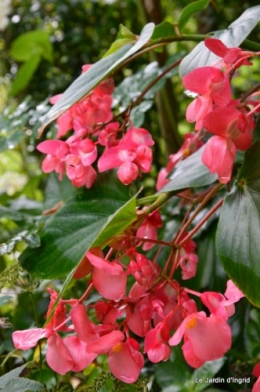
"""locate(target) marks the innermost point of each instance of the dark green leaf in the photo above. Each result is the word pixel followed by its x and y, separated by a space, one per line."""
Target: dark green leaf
pixel 233 36
pixel 190 173
pixel 57 191
pixel 99 71
pixel 88 218
pixel 18 384
pixel 162 30
pixel 25 74
pixel 190 10
pixel 238 233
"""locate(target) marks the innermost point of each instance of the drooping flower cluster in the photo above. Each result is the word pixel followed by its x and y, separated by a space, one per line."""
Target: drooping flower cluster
pixel 229 120
pixel 157 310
pixel 90 120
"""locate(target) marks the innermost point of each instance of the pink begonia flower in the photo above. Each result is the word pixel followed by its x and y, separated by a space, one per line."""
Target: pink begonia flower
pixel 79 174
pixel 59 315
pixel 205 338
pixel 222 305
pixel 125 361
pixel 56 151
pixel 108 277
pixel 24 340
pixel 198 109
pixel 107 313
pixel 144 270
pixel 139 317
pixel 188 263
pixel 211 82
pixel 135 137
pixel 155 343
pixel 219 155
pixel 231 122
pixel 131 154
pixel 233 293
pixel 127 172
pixel 148 229
pixel 231 56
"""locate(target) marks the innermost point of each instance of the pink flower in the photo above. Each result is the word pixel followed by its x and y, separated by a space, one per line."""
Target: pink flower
pixel 231 122
pixel 231 56
pixel 188 263
pixel 155 343
pixel 218 156
pixel 205 338
pixel 148 228
pixel 211 82
pixel 131 154
pixel 125 361
pixel 108 277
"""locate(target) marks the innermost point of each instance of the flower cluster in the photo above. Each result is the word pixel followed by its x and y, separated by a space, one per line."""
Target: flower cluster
pixel 156 309
pixel 90 121
pixel 229 120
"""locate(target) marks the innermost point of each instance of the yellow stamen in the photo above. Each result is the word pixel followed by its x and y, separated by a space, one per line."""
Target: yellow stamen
pixel 191 323
pixel 117 348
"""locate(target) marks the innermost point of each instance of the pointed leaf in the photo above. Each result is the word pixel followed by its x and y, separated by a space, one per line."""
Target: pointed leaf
pixel 238 233
pixel 12 374
pixel 190 10
pixel 162 30
pixel 98 72
pixel 25 74
pixel 88 218
pixel 19 384
pixel 190 173
pixel 30 43
pixel 233 36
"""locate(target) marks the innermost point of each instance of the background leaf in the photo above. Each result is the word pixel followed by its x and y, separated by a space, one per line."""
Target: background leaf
pixel 30 43
pixel 25 74
pixel 190 10
pixel 88 218
pixel 190 173
pixel 238 233
pixel 233 36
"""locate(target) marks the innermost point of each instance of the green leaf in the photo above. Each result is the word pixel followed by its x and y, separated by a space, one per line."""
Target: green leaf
pixel 12 374
pixel 98 72
pixel 124 36
pixel 25 74
pixel 18 384
pixel 190 10
pixel 190 173
pixel 31 43
pixel 88 218
pixel 233 36
pixel 238 233
pixel 162 30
